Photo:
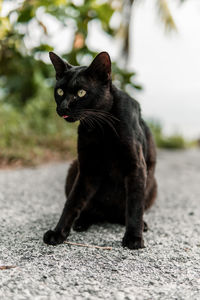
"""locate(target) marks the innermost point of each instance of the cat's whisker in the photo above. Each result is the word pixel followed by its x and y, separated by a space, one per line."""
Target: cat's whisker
pixel 104 120
pixel 83 121
pixel 90 123
pixel 105 113
pixel 105 116
pixel 95 116
pixel 87 121
pixel 98 123
pixel 108 123
pixel 90 118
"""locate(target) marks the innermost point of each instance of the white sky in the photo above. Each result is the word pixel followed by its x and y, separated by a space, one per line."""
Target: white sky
pixel 168 66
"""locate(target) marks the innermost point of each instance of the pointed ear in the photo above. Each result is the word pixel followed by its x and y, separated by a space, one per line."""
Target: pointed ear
pixel 60 65
pixel 100 67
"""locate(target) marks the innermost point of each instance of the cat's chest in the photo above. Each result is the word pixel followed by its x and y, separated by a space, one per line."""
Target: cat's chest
pixel 98 148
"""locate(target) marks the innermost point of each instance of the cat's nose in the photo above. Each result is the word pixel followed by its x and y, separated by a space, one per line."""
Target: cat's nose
pixel 65 104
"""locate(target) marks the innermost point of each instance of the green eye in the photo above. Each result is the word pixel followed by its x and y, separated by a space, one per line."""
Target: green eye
pixel 81 93
pixel 60 92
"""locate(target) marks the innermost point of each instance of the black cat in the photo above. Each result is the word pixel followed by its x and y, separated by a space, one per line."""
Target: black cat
pixel 113 177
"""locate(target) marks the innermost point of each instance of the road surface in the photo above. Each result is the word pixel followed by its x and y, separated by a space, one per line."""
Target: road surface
pixel 31 201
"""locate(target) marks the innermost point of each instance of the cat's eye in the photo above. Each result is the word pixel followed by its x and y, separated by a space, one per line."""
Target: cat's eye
pixel 60 92
pixel 81 93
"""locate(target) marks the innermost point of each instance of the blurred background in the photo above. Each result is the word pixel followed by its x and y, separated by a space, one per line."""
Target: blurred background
pixel 154 46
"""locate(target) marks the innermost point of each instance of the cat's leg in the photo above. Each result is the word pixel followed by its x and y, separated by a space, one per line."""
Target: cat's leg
pixel 107 205
pixel 84 188
pixel 71 176
pixel 93 213
pixel 84 221
pixel 135 183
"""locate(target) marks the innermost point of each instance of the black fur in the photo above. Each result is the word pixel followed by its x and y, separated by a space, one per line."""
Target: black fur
pixel 113 177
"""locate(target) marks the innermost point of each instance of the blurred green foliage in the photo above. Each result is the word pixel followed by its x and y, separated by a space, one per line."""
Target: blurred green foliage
pixel 35 134
pixel 174 141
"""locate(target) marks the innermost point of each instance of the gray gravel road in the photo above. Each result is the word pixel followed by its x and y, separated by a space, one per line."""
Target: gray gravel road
pixel 168 268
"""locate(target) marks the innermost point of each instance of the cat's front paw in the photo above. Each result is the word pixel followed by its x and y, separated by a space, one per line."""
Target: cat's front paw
pixel 133 242
pixel 52 237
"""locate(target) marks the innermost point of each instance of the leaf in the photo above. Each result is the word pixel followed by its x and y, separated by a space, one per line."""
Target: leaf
pixel 42 48
pixel 26 14
pixel 165 15
pixel 5 27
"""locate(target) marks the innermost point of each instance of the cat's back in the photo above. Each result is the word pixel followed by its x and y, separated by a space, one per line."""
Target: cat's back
pixel 131 125
pixel 127 109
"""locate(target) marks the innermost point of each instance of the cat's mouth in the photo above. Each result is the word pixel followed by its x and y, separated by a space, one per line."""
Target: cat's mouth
pixel 69 118
pixel 68 115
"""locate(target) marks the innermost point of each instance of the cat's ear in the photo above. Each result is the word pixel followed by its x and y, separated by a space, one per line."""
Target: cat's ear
pixel 60 65
pixel 100 67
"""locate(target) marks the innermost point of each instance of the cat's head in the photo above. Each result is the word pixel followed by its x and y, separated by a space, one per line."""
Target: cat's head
pixel 79 90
